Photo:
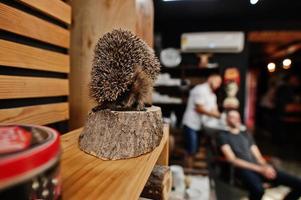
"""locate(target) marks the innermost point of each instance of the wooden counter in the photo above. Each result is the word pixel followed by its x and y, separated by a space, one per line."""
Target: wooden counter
pixel 87 177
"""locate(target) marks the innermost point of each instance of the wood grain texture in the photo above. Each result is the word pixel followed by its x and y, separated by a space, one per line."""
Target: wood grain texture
pixel 92 19
pixel 19 22
pixel 285 52
pixel 274 36
pixel 23 56
pixel 25 87
pixel 39 115
pixel 145 20
pixel 87 177
pixel 54 8
pixel 158 185
pixel 164 156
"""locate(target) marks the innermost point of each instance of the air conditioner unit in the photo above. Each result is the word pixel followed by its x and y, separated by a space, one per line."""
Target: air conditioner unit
pixel 215 42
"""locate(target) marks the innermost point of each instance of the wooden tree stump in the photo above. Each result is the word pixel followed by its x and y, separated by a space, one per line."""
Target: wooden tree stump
pixel 158 184
pixel 113 135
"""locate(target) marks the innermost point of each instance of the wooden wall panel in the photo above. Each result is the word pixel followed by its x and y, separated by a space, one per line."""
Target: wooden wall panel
pixel 27 67
pixel 54 8
pixel 24 56
pixel 19 22
pixel 40 114
pixel 12 87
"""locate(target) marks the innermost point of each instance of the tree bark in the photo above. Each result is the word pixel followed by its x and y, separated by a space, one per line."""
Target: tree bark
pixel 113 135
pixel 158 184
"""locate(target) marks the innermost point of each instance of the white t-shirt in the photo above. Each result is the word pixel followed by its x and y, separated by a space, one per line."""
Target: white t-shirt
pixel 202 95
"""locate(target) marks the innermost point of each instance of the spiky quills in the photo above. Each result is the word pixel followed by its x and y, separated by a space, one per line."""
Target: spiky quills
pixel 117 55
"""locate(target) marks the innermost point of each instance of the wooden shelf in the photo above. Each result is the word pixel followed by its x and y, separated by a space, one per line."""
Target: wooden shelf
pixel 87 177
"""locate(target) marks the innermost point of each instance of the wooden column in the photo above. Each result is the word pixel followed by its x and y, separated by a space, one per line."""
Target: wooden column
pixel 90 20
pixel 145 20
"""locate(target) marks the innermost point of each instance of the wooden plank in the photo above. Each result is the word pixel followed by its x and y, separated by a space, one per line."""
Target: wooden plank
pixel 23 56
pixel 39 115
pixel 54 8
pixel 291 49
pixel 25 87
pixel 19 22
pixel 274 36
pixel 164 156
pixel 87 177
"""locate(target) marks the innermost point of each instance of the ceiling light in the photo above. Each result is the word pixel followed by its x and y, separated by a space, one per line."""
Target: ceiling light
pixel 286 67
pixel 253 2
pixel 286 62
pixel 271 67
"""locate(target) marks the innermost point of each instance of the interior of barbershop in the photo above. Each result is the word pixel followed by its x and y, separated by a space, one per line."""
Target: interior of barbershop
pixel 150 100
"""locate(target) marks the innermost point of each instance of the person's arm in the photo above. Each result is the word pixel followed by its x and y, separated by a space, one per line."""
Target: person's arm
pixel 266 171
pixel 214 113
pixel 257 154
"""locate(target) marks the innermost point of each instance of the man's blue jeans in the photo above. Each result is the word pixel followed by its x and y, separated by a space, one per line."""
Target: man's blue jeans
pixel 192 138
pixel 253 181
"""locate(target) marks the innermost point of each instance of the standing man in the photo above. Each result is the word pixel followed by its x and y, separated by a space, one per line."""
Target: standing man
pixel 201 109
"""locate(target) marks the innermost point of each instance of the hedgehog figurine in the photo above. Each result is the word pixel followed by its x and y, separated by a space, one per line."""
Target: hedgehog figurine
pixel 123 72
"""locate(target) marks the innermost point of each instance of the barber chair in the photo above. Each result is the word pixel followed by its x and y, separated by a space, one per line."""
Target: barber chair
pixel 222 173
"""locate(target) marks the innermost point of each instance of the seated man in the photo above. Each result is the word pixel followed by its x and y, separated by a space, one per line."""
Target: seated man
pixel 239 149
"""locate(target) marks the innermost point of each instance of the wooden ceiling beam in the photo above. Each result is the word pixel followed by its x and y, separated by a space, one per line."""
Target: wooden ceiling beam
pixel 287 51
pixel 274 36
